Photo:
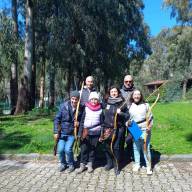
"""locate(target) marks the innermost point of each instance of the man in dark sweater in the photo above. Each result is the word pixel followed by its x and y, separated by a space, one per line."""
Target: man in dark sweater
pixel 127 88
pixel 88 88
pixel 126 91
pixel 66 119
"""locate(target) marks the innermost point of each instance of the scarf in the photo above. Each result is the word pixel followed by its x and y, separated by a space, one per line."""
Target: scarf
pixel 115 100
pixel 93 107
pixel 128 89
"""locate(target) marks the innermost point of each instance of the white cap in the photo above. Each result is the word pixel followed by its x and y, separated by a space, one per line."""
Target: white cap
pixel 93 95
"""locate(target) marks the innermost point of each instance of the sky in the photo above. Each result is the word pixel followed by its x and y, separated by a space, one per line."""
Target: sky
pixel 154 15
pixel 157 17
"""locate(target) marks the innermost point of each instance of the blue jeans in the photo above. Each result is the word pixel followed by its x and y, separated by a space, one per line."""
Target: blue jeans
pixel 138 146
pixel 65 150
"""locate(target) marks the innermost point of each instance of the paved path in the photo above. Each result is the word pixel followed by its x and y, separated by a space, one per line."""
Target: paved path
pixel 43 176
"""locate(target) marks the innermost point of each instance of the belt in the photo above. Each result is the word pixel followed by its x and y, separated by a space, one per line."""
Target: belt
pixel 142 121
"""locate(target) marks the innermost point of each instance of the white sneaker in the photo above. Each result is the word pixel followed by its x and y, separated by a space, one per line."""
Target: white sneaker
pixel 136 168
pixel 149 171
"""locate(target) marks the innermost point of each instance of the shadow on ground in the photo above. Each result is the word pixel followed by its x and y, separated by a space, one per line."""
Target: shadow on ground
pixel 13 140
pixel 127 157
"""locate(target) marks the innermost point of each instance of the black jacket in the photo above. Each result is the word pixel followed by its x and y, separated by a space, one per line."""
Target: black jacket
pixel 122 117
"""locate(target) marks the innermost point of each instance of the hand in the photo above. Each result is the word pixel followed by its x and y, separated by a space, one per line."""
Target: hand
pixel 148 129
pixel 100 139
pixel 118 111
pixel 76 124
pixel 128 123
pixel 55 137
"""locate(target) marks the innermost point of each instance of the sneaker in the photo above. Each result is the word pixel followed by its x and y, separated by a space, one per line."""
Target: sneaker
pixel 62 167
pixel 71 168
pixel 90 167
pixel 81 169
pixel 136 168
pixel 149 171
pixel 117 171
pixel 108 167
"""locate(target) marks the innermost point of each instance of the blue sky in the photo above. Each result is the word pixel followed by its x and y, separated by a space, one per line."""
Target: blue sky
pixel 154 15
pixel 157 17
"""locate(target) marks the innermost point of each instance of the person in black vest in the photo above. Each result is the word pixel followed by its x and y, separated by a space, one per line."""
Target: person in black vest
pixel 114 104
pixel 88 88
pixel 126 91
pixel 65 118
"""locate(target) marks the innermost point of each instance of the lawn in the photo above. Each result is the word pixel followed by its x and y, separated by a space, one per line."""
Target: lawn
pixel 172 131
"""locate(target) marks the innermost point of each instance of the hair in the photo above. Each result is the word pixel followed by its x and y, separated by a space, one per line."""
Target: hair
pixel 109 89
pixel 142 100
pixel 89 77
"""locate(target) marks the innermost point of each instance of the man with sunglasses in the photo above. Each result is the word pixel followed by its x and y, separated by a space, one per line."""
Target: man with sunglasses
pixel 127 88
pixel 126 91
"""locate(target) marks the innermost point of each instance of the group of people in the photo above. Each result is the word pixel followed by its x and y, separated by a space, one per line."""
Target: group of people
pixel 104 121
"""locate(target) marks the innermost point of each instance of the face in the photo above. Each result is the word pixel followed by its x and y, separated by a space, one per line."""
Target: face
pixel 74 101
pixel 114 93
pixel 136 96
pixel 89 82
pixel 128 81
pixel 94 101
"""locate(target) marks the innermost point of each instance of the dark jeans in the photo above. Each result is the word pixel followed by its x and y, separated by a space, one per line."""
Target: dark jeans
pixel 117 148
pixel 88 148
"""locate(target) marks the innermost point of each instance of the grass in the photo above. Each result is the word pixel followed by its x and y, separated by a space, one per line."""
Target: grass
pixel 26 135
pixel 172 131
pixel 171 134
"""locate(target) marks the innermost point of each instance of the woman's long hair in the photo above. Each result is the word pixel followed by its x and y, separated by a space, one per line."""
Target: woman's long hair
pixel 142 100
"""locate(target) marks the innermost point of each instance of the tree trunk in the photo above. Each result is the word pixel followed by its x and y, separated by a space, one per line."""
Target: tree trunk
pixel 184 88
pixel 14 66
pixel 23 97
pixel 42 83
pixel 52 84
pixel 69 75
pixel 28 61
pixel 33 76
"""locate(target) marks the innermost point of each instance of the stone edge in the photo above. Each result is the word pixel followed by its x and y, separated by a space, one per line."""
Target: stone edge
pixel 49 157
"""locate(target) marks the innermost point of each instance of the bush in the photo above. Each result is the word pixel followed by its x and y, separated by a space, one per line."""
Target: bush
pixel 172 92
pixel 42 111
pixel 189 94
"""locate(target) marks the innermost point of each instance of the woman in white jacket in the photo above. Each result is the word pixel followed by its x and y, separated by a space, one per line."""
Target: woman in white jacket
pixel 141 114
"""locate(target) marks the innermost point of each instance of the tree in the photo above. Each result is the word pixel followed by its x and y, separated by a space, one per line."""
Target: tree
pixel 14 65
pixel 25 96
pixel 182 10
pixel 180 55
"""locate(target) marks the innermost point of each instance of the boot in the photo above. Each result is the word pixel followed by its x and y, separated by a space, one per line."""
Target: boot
pixel 82 168
pixel 109 164
pixel 90 167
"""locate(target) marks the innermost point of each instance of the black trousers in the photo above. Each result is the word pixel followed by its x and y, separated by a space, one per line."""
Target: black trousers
pixel 117 148
pixel 88 148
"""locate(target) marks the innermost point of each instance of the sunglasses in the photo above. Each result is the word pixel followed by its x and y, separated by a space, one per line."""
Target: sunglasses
pixel 128 81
